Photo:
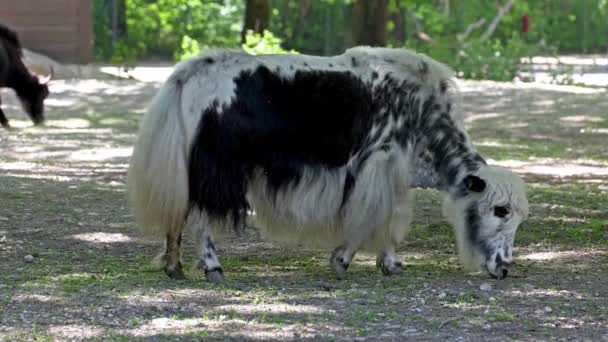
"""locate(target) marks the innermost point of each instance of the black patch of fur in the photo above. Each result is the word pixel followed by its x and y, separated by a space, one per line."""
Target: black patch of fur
pixel 317 120
pixel 349 185
pixel 443 87
pixel 10 36
pixel 209 60
pixel 424 68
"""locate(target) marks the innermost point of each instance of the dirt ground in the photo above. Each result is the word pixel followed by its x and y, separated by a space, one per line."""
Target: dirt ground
pixel 74 267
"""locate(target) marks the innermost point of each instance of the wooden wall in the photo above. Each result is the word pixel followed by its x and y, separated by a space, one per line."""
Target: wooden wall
pixel 60 29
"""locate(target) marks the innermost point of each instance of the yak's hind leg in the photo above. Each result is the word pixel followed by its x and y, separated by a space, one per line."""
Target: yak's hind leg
pixel 170 259
pixel 388 261
pixel 209 261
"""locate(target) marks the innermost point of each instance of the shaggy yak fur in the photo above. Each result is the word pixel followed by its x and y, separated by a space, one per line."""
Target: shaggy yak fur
pixel 320 151
pixel 13 74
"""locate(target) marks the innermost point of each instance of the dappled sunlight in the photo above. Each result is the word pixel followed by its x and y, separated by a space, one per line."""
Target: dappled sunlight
pixel 573 323
pixel 594 130
pixel 100 154
pixel 561 219
pixel 496 88
pixel 101 237
pixel 556 255
pixel 111 172
pixel 20 124
pixel 69 123
pixel 76 331
pixel 554 167
pixel 44 298
pixel 228 323
pixel 465 306
pixel 142 73
pixel 544 293
pixel 489 143
pixel 275 308
pixel 55 102
pixel 582 118
pixel 476 117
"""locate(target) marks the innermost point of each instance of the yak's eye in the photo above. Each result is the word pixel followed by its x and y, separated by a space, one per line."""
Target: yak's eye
pixel 502 211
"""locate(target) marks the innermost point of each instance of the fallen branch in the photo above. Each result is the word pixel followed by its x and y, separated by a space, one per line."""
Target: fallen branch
pixel 472 27
pixel 501 12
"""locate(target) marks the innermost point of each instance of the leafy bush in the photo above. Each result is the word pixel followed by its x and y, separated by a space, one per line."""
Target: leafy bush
pixel 170 28
pixel 491 59
pixel 189 48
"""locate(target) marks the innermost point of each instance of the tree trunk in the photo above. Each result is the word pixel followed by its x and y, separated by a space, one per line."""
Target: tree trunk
pixel 304 14
pixel 369 22
pixel 257 17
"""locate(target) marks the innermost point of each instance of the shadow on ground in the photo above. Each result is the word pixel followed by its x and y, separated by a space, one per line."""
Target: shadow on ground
pixel 63 202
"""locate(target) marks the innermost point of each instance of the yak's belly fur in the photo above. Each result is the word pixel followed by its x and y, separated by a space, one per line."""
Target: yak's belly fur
pixel 312 211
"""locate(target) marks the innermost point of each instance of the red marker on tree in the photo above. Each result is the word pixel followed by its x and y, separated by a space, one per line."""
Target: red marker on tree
pixel 525 23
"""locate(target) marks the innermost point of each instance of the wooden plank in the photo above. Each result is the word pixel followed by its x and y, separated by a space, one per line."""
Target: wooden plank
pixel 62 29
pixel 85 31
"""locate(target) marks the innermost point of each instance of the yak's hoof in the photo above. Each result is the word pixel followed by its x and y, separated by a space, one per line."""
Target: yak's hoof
pixel 175 272
pixel 215 275
pixel 338 264
pixel 388 265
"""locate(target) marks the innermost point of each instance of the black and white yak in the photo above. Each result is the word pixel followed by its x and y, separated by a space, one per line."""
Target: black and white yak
pixel 323 150
pixel 30 90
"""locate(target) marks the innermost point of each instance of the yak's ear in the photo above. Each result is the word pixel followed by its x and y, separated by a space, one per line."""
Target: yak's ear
pixel 474 184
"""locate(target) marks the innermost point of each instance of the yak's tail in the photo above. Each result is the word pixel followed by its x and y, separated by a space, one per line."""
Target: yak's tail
pixel 157 179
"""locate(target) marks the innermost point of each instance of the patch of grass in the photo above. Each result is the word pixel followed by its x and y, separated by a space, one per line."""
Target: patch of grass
pixel 500 316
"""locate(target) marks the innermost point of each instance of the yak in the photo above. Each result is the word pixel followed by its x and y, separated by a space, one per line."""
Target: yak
pixel 321 151
pixel 30 90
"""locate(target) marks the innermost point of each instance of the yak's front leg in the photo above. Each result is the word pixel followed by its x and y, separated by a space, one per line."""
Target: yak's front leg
pixel 209 261
pixel 388 262
pixel 3 119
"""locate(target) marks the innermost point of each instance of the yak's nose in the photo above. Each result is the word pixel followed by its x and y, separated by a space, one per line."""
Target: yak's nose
pixel 501 271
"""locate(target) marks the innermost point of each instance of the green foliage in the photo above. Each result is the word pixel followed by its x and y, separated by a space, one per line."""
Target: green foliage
pixel 170 28
pixel 189 48
pixel 181 29
pixel 491 59
pixel 257 44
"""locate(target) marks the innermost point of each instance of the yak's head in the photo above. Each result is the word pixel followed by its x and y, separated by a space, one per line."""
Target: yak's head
pixel 485 216
pixel 32 100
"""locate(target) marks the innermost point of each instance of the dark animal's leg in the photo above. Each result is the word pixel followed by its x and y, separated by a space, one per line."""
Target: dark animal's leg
pixel 173 264
pixel 3 119
pixel 341 258
pixel 209 261
pixel 388 262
